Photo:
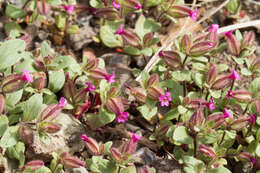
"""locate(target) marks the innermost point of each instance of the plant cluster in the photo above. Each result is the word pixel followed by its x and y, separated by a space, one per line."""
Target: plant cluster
pixel 210 118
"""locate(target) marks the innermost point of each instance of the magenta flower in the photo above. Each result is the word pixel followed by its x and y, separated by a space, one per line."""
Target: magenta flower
pixel 69 8
pixel 165 99
pixel 138 6
pixel 120 31
pixel 194 14
pixel 122 117
pixel 211 105
pixel 62 102
pixel 227 114
pixel 229 94
pixel 228 33
pixel 116 5
pixel 135 138
pixel 253 160
pixel 234 75
pixel 84 137
pixel 252 119
pixel 110 78
pixel 90 86
pixel 213 28
pixel 27 76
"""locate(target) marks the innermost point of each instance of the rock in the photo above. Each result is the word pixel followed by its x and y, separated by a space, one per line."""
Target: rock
pixel 67 139
pixel 8 165
pixel 78 41
pixel 79 170
pixel 140 61
pixel 144 156
pixel 113 59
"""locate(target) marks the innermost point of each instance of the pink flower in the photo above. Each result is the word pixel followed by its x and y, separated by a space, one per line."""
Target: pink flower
pixel 84 137
pixel 214 28
pixel 228 33
pixel 253 160
pixel 62 102
pixel 122 117
pixel 229 94
pixel 110 78
pixel 90 86
pixel 138 6
pixel 252 119
pixel 194 14
pixel 120 31
pixel 135 138
pixel 27 76
pixel 234 75
pixel 69 8
pixel 116 5
pixel 226 113
pixel 211 105
pixel 165 99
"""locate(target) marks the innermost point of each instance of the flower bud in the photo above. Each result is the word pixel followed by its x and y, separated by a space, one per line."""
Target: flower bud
pixel 115 105
pixel 217 119
pixel 107 13
pixel 138 93
pixel 49 127
pixel 211 74
pixel 98 74
pixel 256 64
pixel 51 112
pixel 117 156
pixel 257 105
pixel 33 165
pixel 245 156
pixel 92 145
pixel 131 38
pixel 153 80
pixel 155 92
pixel 179 11
pixel 39 64
pixel 72 162
pixel 222 82
pixel 82 108
pixel 145 169
pixel 113 92
pixel 198 103
pixel 133 4
pixel 162 130
pixel 148 38
pixel 233 44
pixel 43 7
pixel 40 83
pixel 248 39
pixel 196 119
pixel 213 34
pixel 92 63
pixel 12 83
pixel 69 90
pixel 171 58
pixel 185 44
pixel 207 151
pixel 25 134
pixel 240 123
pixel 201 48
pixel 80 95
pixel 2 103
pixel 241 95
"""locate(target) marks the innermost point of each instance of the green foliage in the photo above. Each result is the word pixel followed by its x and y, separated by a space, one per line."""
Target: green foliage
pixel 32 107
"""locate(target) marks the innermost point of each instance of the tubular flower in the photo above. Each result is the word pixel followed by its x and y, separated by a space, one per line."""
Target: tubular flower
pixel 90 87
pixel 252 119
pixel 27 76
pixel 110 78
pixel 69 8
pixel 165 99
pixel 226 113
pixel 120 31
pixel 229 94
pixel 116 5
pixel 122 117
pixel 135 138
pixel 211 105
pixel 194 14
pixel 234 75
pixel 62 102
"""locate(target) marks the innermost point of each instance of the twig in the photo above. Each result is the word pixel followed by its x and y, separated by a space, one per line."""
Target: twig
pixel 238 26
pixel 254 2
pixel 155 59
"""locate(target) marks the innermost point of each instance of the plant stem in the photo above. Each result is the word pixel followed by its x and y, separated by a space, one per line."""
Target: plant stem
pixel 223 136
pixel 195 145
pixel 47 78
pixel 246 108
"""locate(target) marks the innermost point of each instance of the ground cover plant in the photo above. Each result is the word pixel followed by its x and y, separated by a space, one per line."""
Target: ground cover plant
pixel 126 86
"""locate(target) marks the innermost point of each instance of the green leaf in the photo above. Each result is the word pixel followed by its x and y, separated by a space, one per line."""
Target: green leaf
pixel 215 93
pixel 99 165
pixel 148 110
pixel 62 62
pixel 57 80
pixel 13 98
pixel 181 135
pixel 107 34
pixel 60 21
pixel 43 170
pixel 246 72
pixel 73 29
pixel 10 137
pixel 257 150
pixel 45 49
pixel 147 51
pixel 17 152
pixel 258 135
pixel 3 124
pixel 143 26
pixel 184 75
pixel 220 170
pixel 130 169
pixel 132 50
pixel 198 79
pixel 107 146
pixel 11 52
pixel 150 3
pixel 96 3
pixel 172 114
pixel 32 107
pixel 254 87
pixel 13 29
pixel 14 12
